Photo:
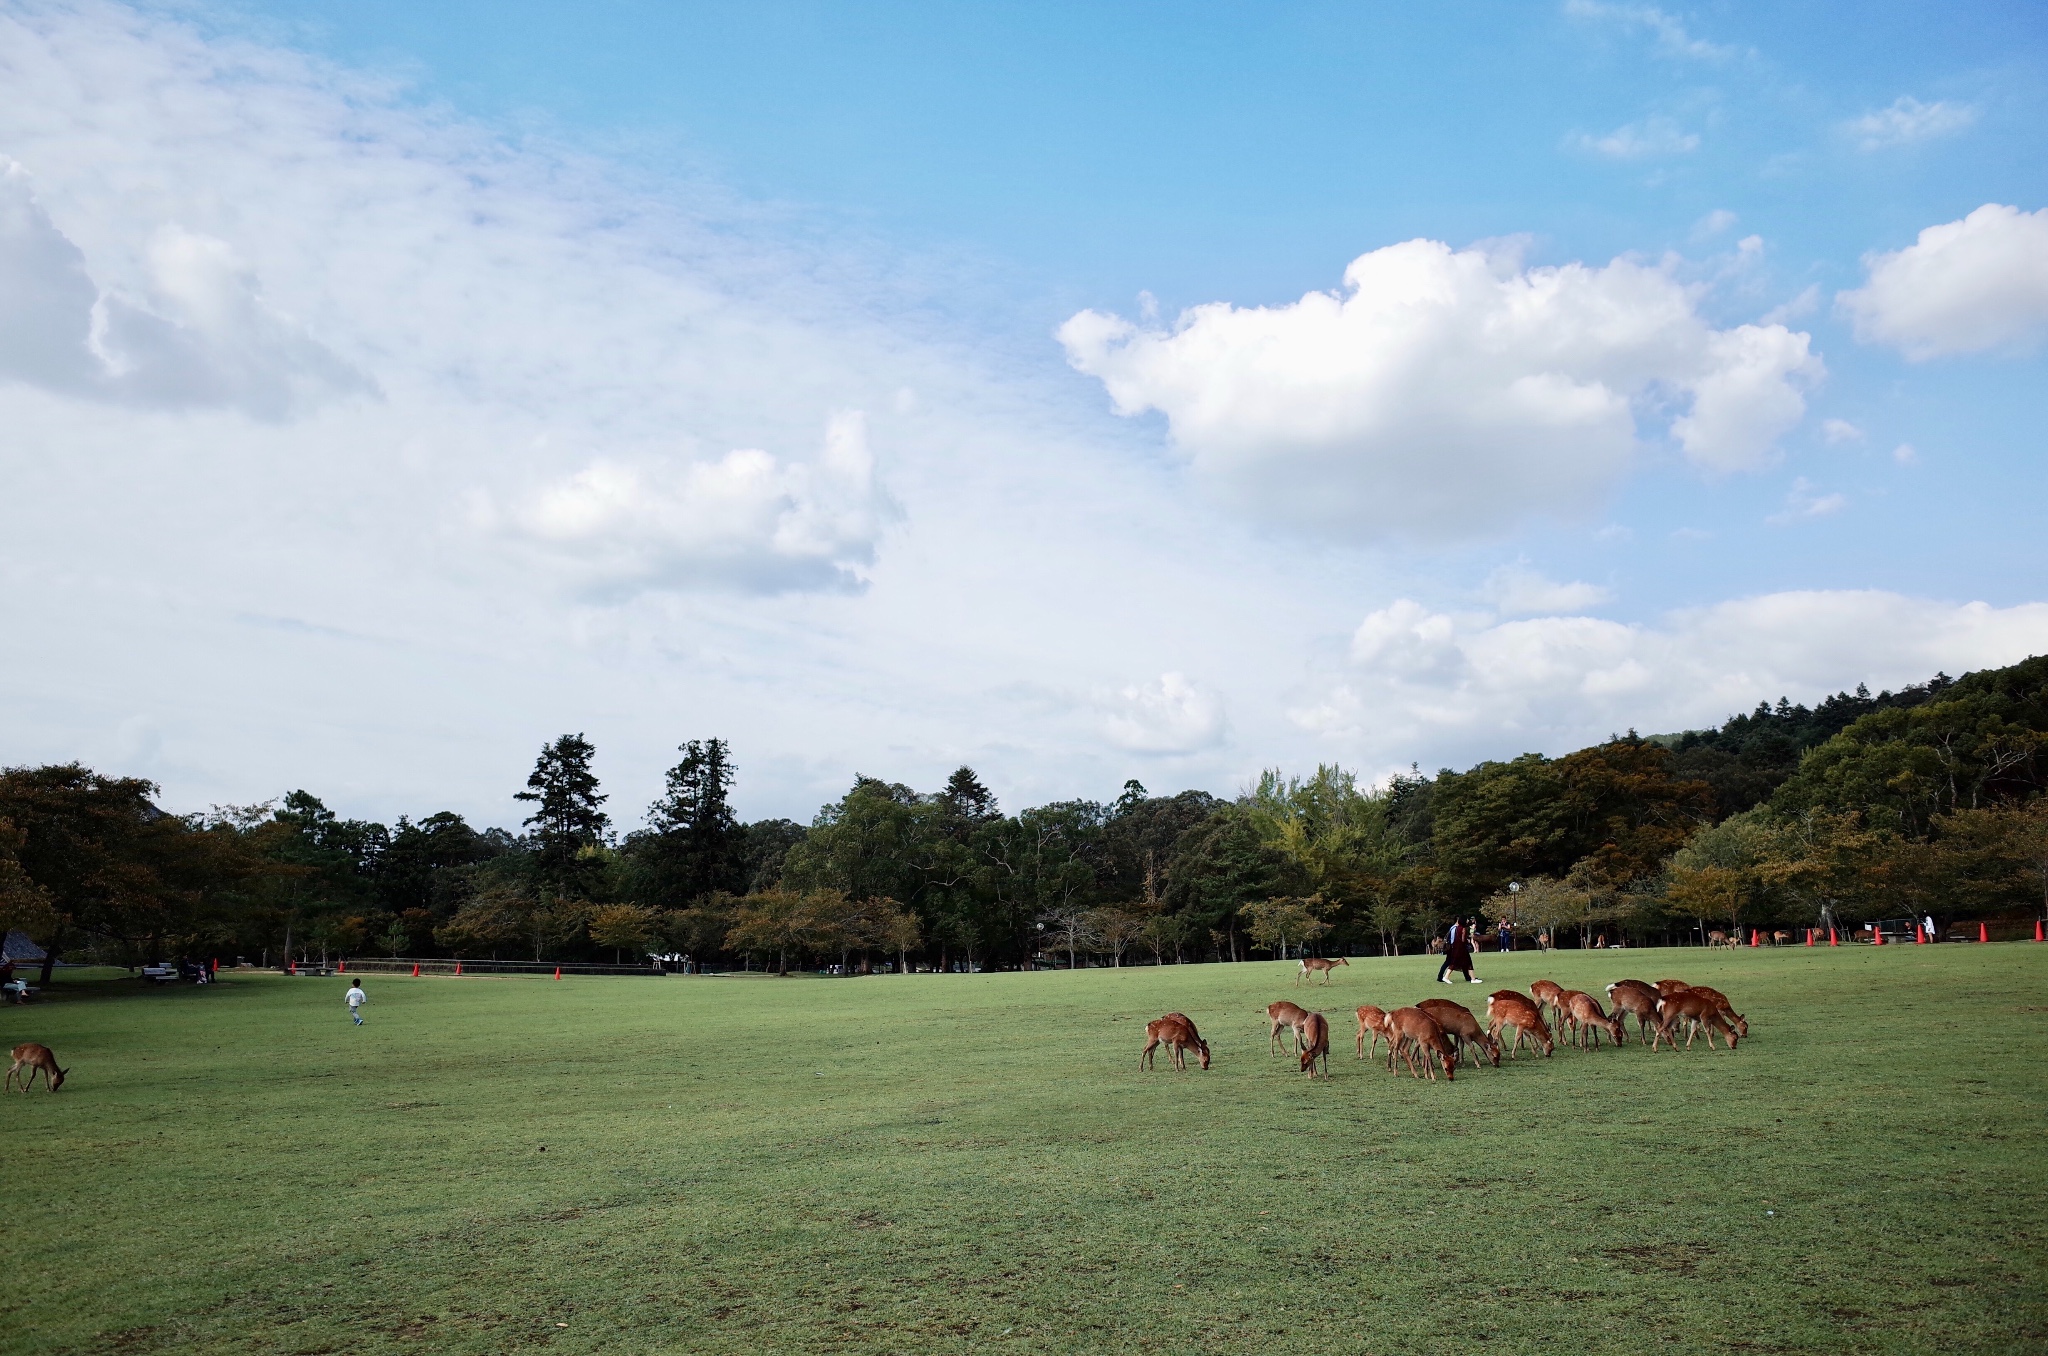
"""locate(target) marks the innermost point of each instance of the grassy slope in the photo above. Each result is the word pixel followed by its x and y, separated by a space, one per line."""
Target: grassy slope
pixel 955 1163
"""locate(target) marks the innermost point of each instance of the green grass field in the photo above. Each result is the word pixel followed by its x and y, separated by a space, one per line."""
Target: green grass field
pixel 973 1163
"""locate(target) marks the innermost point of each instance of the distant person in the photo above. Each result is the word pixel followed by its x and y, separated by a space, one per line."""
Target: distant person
pixel 1506 933
pixel 1458 955
pixel 1930 929
pixel 356 999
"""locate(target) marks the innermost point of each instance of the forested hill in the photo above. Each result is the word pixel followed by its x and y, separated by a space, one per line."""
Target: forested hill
pixel 1927 800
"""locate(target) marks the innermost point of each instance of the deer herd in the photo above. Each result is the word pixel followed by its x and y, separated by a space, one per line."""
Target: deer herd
pixel 1438 1033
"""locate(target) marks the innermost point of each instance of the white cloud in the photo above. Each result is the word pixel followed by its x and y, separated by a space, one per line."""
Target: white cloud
pixel 1963 287
pixel 1671 35
pixel 1171 715
pixel 1447 392
pixel 1803 502
pixel 1837 431
pixel 1517 591
pixel 1798 307
pixel 1904 454
pixel 200 335
pixel 1477 686
pixel 1909 121
pixel 1713 224
pixel 746 520
pixel 1641 141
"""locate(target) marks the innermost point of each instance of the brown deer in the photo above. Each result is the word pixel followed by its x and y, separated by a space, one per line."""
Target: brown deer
pixel 1178 1035
pixel 1726 1009
pixel 1781 938
pixel 1717 938
pixel 1549 996
pixel 1284 1016
pixel 1372 1021
pixel 1507 1008
pixel 36 1059
pixel 1633 998
pixel 1316 965
pixel 1462 1027
pixel 1667 987
pixel 1589 1019
pixel 1696 1010
pixel 1413 1026
pixel 1315 1043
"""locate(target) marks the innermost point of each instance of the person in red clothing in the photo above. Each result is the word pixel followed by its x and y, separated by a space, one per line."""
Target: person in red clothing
pixel 1458 954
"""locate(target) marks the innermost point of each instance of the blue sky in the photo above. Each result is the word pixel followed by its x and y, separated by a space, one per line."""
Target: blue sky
pixel 450 376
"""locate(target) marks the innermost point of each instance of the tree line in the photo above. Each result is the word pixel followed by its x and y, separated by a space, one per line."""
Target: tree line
pixel 1926 800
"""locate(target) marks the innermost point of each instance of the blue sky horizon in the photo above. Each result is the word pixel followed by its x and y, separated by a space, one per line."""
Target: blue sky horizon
pixel 1075 392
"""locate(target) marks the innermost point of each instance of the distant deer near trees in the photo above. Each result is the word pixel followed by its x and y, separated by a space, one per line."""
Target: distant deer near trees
pixel 1372 1022
pixel 36 1059
pixel 1179 1036
pixel 1315 1044
pixel 1507 1008
pixel 1284 1016
pixel 1413 1026
pixel 1549 996
pixel 1317 965
pixel 1462 1027
pixel 1633 998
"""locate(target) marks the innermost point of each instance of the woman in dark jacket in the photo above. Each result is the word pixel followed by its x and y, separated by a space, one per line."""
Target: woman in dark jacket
pixel 1458 955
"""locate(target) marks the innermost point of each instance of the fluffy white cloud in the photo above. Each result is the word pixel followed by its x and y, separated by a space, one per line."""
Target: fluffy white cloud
pixel 200 335
pixel 1482 687
pixel 1171 715
pixel 1908 121
pixel 1641 141
pixel 1804 501
pixel 745 520
pixel 1671 35
pixel 1518 591
pixel 1447 392
pixel 1962 287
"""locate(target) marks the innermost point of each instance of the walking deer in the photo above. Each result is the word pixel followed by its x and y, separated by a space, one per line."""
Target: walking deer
pixel 36 1059
pixel 1315 1044
pixel 1179 1036
pixel 1413 1026
pixel 1372 1022
pixel 1284 1016
pixel 1696 1010
pixel 1462 1027
pixel 1549 996
pixel 1507 1008
pixel 1589 1019
pixel 1726 1009
pixel 1633 998
pixel 1317 965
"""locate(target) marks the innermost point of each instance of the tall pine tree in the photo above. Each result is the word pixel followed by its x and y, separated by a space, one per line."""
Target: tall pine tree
pixel 696 845
pixel 567 817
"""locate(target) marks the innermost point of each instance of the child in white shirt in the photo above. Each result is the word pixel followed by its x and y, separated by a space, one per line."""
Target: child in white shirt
pixel 356 999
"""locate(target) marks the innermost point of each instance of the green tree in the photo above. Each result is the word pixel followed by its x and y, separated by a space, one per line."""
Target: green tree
pixel 568 819
pixel 694 845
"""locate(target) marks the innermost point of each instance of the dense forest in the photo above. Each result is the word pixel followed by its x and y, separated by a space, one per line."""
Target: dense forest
pixel 1923 801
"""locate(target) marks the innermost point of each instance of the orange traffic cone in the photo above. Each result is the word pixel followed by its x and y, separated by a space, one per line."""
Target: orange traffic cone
pixel 558 972
pixel 458 967
pixel 1833 940
pixel 415 969
pixel 1919 937
pixel 1752 938
pixel 341 968
pixel 2038 935
pixel 1877 936
pixel 1809 936
pixel 1983 933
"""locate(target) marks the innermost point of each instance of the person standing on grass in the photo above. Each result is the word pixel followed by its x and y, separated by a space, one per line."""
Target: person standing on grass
pixel 356 999
pixel 1506 934
pixel 1458 955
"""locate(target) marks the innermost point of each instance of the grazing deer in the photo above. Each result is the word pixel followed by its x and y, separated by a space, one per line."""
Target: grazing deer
pixel 1315 1043
pixel 1697 1011
pixel 1632 997
pixel 1316 965
pixel 1667 987
pixel 1549 996
pixel 1372 1021
pixel 1507 1008
pixel 1284 1016
pixel 1462 1027
pixel 1781 938
pixel 1178 1035
pixel 1718 938
pixel 36 1059
pixel 1725 1008
pixel 1589 1019
pixel 1413 1026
